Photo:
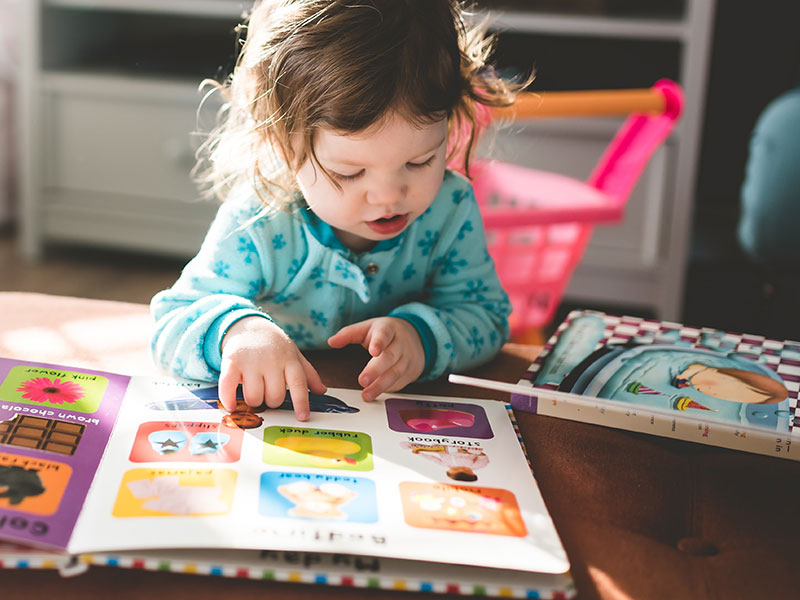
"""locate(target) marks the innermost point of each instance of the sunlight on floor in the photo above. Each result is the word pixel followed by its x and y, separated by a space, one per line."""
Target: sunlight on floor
pixel 606 587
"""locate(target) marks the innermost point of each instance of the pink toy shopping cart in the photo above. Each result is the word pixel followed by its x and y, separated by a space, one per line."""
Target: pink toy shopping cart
pixel 538 223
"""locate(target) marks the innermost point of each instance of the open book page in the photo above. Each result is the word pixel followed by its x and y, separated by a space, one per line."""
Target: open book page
pixel 409 477
pixel 697 384
pixel 54 425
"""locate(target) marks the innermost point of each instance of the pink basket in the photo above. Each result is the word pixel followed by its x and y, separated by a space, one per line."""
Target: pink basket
pixel 538 223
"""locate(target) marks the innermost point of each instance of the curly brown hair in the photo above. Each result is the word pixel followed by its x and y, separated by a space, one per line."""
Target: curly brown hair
pixel 343 65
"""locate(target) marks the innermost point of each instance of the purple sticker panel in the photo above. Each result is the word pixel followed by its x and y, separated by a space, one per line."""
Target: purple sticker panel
pixel 443 418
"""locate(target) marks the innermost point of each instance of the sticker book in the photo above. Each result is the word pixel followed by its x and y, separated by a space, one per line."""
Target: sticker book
pixel 701 385
pixel 422 493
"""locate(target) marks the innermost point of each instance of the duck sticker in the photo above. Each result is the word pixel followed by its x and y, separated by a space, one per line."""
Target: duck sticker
pixel 317 448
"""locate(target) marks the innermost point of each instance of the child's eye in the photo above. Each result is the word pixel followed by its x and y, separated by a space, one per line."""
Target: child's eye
pixel 412 165
pixel 341 177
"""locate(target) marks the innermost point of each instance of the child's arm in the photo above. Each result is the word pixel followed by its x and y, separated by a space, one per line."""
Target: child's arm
pixel 213 300
pixel 463 318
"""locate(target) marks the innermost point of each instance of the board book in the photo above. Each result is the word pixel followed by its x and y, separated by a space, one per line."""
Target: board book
pixel 411 492
pixel 701 385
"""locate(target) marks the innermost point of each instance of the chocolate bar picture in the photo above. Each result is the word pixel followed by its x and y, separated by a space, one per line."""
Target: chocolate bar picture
pixel 50 435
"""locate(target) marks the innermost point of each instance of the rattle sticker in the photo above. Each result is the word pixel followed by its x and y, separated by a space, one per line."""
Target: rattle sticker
pixel 461 508
pixel 32 485
pixel 163 441
pixel 175 492
pixel 318 497
pixel 442 418
pixel 54 388
pixel 319 448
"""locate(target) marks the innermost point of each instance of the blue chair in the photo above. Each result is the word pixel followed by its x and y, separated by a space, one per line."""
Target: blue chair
pixel 769 224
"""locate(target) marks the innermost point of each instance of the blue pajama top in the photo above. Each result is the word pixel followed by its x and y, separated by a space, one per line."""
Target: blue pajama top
pixel 291 268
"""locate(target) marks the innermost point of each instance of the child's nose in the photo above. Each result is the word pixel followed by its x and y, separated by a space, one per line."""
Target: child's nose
pixel 387 192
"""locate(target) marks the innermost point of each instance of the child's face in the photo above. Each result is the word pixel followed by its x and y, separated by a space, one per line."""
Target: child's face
pixel 389 176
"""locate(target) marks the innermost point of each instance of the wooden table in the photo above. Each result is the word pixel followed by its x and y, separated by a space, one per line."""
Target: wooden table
pixel 640 517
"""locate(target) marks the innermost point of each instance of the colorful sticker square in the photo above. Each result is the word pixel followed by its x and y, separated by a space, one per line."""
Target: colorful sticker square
pixel 317 448
pixel 315 497
pixel 54 388
pixel 441 418
pixel 171 492
pixel 32 485
pixel 40 433
pixel 461 508
pixel 176 441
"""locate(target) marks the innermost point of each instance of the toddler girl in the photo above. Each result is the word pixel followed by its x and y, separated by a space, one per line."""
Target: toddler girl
pixel 341 223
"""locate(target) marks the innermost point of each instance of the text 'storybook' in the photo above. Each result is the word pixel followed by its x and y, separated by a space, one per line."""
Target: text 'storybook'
pixel 435 492
pixel 697 384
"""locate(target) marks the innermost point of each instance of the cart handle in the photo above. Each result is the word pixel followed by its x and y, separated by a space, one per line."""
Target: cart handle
pixel 617 170
pixel 589 103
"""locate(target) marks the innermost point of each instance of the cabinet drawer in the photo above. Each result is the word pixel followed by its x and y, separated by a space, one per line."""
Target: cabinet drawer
pixel 126 144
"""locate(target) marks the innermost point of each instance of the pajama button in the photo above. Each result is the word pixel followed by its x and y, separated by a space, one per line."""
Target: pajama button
pixel 372 268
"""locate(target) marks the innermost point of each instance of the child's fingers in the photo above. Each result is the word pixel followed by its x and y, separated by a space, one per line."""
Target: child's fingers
pixel 253 389
pixel 379 364
pixel 298 388
pixel 275 389
pixel 351 334
pixel 388 380
pixel 380 336
pixel 228 382
pixel 312 377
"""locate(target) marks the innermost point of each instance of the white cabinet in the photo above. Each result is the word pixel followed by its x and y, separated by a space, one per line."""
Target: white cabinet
pixel 109 106
pixel 110 121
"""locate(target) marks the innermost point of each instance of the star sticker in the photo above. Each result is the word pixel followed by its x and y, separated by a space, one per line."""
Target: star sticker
pixel 209 444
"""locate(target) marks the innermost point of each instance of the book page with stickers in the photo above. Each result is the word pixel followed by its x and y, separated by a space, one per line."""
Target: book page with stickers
pixel 408 477
pixel 54 425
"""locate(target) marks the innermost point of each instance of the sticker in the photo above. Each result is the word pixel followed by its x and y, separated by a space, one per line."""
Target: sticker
pixel 162 441
pixel 442 418
pixel 50 435
pixel 319 448
pixel 461 508
pixel 32 485
pixel 54 387
pixel 175 492
pixel 316 497
pixel 459 463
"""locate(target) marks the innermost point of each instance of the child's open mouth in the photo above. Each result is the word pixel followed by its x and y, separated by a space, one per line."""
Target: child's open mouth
pixel 388 225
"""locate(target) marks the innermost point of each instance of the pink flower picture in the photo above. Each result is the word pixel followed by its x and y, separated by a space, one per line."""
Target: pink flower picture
pixel 44 389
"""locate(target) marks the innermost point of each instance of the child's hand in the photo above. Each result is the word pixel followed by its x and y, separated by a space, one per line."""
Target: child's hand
pixel 259 355
pixel 398 357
